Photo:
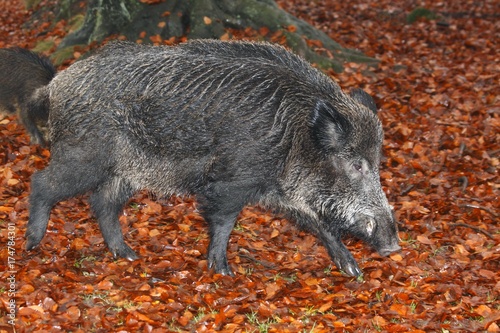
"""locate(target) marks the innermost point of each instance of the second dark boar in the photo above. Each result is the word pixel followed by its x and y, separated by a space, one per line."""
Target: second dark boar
pixel 233 123
pixel 21 73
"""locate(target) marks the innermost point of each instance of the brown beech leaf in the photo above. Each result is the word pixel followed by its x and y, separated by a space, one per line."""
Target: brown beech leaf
pixel 325 306
pixel 186 317
pixel 425 240
pixel 271 290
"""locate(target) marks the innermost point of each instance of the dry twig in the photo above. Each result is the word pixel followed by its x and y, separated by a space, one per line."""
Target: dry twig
pixel 479 207
pixel 484 232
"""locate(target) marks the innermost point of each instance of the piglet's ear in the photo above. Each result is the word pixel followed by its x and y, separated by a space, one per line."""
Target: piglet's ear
pixel 361 96
pixel 330 128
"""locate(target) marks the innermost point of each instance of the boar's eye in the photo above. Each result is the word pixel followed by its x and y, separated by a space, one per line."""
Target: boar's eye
pixel 359 167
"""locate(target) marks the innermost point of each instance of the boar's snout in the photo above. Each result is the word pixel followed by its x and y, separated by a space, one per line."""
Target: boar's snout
pixel 380 231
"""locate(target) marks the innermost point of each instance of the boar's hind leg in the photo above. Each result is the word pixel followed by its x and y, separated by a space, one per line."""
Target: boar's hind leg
pixel 57 182
pixel 107 202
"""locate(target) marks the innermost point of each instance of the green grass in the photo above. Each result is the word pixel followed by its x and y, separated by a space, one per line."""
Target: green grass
pixel 261 326
pixel 419 13
pixel 79 262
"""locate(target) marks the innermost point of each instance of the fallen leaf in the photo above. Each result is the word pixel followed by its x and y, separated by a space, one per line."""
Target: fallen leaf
pixel 271 290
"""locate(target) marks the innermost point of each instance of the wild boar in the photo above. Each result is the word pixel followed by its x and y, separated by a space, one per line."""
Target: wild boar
pixel 231 123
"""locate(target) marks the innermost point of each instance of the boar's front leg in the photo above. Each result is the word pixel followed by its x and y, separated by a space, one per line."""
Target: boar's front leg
pixel 220 212
pixel 220 226
pixel 340 255
pixel 107 203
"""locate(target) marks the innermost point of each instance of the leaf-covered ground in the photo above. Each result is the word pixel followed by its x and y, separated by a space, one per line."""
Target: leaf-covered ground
pixel 437 86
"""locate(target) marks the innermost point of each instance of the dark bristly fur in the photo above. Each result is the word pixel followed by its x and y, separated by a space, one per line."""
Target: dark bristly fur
pixel 233 123
pixel 21 73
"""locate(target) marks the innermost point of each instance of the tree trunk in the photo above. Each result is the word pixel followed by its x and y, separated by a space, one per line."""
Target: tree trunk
pixel 103 18
pixel 206 19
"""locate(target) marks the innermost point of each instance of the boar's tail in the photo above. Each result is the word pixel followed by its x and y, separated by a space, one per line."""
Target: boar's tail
pixel 35 116
pixel 25 77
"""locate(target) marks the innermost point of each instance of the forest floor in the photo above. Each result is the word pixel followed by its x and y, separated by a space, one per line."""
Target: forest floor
pixel 437 89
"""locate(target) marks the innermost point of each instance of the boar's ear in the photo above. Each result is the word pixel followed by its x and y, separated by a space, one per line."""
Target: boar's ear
pixel 330 128
pixel 361 96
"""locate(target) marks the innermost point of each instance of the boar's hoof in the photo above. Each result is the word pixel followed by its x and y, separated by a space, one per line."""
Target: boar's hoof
pixel 226 271
pixel 353 270
pixel 31 244
pixel 124 252
pixel 222 269
pixel 349 268
pixel 33 237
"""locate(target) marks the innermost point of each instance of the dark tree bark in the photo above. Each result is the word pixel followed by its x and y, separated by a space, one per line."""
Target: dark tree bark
pixel 205 19
pixel 103 17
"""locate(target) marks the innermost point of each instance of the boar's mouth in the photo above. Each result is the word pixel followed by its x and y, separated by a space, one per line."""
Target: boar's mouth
pixel 387 251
